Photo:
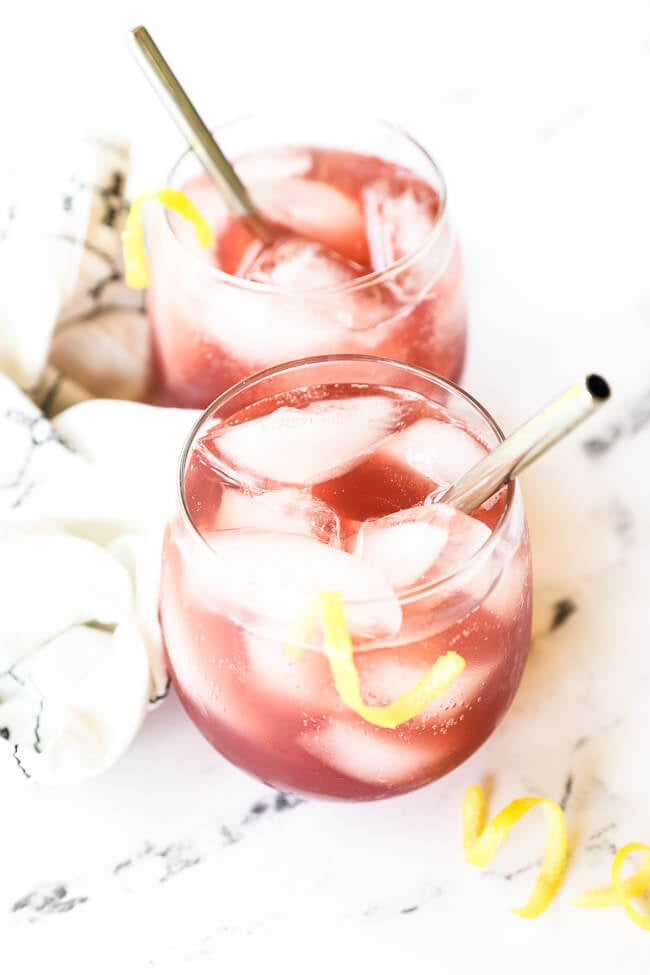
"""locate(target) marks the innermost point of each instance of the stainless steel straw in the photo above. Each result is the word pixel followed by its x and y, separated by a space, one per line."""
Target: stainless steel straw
pixel 525 445
pixel 195 131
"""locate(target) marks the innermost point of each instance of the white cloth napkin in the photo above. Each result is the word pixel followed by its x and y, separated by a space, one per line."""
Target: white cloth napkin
pixel 84 494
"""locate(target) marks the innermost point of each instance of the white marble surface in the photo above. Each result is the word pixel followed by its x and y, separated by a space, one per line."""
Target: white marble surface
pixel 176 862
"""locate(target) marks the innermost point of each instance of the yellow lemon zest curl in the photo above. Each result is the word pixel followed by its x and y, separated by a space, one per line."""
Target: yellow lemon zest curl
pixel 621 893
pixel 338 648
pixel 481 842
pixel 136 271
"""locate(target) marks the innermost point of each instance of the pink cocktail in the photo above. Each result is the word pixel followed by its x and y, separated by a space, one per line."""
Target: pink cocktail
pixel 368 263
pixel 311 479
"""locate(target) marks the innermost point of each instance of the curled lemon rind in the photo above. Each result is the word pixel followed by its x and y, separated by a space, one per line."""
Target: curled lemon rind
pixel 338 648
pixel 616 896
pixel 136 271
pixel 337 645
pixel 481 842
pixel 621 893
pixel 641 920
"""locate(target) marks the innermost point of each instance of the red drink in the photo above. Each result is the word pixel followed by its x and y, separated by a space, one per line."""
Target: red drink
pixel 311 478
pixel 368 265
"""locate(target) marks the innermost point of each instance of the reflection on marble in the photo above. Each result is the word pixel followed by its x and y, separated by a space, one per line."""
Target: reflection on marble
pixel 176 862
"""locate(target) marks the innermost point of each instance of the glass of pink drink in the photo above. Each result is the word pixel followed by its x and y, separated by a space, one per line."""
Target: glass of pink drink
pixel 310 478
pixel 369 263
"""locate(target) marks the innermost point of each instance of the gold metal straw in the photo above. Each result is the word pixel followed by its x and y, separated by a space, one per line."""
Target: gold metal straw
pixel 525 445
pixel 170 91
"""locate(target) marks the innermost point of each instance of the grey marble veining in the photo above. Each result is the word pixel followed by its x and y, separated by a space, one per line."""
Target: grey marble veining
pixel 174 861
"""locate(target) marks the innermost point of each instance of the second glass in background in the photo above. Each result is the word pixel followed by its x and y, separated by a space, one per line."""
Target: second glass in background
pixel 356 185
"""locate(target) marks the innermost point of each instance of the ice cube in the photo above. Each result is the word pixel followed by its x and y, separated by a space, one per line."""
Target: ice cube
pixel 398 219
pixel 302 265
pixel 439 450
pixel 283 323
pixel 308 445
pixel 306 682
pixel 368 753
pixel 255 329
pixel 317 211
pixel 280 511
pixel 381 245
pixel 420 544
pixel 273 164
pixel 269 575
pixel 305 266
pixel 406 548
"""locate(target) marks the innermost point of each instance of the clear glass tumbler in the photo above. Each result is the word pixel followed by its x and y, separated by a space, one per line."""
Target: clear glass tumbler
pixel 300 494
pixel 390 282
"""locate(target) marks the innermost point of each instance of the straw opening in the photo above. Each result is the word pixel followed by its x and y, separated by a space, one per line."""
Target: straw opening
pixel 598 387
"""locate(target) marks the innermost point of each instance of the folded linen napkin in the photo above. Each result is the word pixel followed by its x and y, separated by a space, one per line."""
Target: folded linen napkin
pixel 84 488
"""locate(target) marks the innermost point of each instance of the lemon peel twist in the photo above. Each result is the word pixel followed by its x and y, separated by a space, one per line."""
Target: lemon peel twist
pixel 622 892
pixel 481 842
pixel 337 645
pixel 136 271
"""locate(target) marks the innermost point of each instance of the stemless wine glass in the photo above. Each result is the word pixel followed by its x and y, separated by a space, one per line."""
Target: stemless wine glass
pixel 385 277
pixel 306 482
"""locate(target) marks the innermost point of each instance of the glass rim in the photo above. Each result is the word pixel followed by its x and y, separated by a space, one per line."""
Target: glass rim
pixel 357 284
pixel 406 594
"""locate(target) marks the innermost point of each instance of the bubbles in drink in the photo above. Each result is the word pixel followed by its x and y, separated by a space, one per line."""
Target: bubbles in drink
pixel 367 754
pixel 305 685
